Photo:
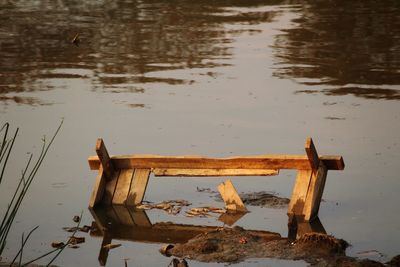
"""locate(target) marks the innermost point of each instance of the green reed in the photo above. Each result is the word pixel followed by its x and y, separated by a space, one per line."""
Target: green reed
pixel 27 176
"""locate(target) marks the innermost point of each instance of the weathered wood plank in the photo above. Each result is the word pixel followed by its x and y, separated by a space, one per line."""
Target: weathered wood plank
pixel 110 189
pixel 138 187
pixel 299 194
pixel 214 172
pixel 231 197
pixel 98 190
pixel 333 162
pixel 314 194
pixel 104 158
pixel 300 162
pixel 123 186
pixel 312 154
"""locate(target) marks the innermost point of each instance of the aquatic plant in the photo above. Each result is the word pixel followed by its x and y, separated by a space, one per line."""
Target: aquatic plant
pixel 25 181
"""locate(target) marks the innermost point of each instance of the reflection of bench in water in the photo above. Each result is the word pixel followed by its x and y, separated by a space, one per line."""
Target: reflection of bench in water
pixel 125 223
pixel 123 179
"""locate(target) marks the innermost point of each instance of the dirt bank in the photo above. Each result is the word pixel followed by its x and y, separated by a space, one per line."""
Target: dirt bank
pixel 236 244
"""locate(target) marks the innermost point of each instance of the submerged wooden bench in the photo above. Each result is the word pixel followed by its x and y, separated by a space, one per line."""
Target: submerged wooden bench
pixel 122 180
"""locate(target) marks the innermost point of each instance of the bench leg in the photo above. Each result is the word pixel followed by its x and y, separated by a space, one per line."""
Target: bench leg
pixel 307 193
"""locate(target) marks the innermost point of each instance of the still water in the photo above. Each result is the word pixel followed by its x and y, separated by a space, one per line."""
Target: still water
pixel 215 78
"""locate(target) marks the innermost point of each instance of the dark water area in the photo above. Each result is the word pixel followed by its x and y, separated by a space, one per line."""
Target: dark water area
pixel 350 46
pixel 213 78
pixel 121 41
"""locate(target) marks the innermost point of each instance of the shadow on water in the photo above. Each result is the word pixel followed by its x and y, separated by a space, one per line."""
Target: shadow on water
pixel 122 43
pixel 350 47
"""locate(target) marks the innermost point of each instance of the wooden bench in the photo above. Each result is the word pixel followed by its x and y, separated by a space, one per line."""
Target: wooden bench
pixel 122 180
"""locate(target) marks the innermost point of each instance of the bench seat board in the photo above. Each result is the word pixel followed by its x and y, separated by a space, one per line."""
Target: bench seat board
pixel 138 187
pixel 123 186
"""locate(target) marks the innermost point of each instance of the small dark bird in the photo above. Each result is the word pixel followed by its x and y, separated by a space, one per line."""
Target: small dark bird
pixel 76 40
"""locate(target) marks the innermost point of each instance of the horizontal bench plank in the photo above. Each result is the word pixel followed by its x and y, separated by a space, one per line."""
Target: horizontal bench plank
pixel 214 172
pixel 300 162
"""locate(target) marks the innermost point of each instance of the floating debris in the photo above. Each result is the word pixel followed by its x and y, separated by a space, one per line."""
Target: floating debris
pixel 145 207
pixel 57 244
pixel 171 206
pixel 204 211
pixel 76 240
pixel 84 229
pixel 206 190
pixel 76 219
pixel 192 213
pixel 217 210
pixel 70 229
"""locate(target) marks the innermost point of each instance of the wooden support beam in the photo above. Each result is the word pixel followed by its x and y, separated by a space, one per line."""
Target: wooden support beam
pixel 296 204
pixel 98 189
pixel 307 193
pixel 300 162
pixel 309 186
pixel 104 158
pixel 312 154
pixel 314 194
pixel 214 172
pixel 231 197
pixel 299 227
pixel 138 187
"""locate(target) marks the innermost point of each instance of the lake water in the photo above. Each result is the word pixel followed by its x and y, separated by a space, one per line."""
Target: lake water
pixel 214 78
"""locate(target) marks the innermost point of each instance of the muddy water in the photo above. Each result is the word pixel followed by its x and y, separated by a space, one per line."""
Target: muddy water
pixel 210 78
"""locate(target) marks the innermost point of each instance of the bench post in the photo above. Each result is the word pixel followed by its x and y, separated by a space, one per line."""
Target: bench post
pixel 309 186
pixel 106 171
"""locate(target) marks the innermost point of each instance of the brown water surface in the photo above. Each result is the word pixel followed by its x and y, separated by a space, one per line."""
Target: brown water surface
pixel 215 78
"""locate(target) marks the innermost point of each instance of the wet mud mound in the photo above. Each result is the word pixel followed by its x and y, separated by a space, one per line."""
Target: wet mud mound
pixel 264 199
pixel 236 244
pixel 260 199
